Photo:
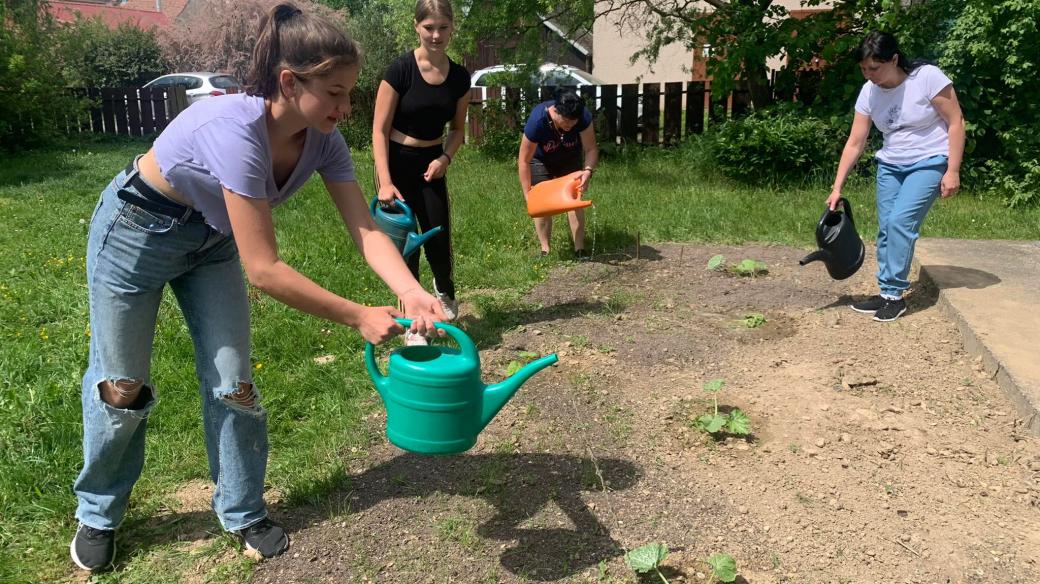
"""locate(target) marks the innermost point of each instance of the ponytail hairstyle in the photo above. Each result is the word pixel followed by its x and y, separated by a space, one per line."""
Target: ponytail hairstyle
pixel 308 46
pixel 882 46
pixel 427 8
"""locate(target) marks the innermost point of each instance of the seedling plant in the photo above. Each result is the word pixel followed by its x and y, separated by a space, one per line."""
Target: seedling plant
pixel 754 320
pixel 647 558
pixel 735 422
pixel 746 267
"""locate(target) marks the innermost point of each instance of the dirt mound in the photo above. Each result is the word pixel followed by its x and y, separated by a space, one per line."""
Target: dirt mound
pixel 878 453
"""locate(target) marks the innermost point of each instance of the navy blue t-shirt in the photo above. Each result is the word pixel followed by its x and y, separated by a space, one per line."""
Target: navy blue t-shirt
pixel 551 144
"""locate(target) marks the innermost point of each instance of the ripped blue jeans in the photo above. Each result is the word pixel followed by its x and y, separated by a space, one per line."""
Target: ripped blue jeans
pixel 132 255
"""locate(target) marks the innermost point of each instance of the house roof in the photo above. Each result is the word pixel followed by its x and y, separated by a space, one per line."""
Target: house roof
pixel 134 13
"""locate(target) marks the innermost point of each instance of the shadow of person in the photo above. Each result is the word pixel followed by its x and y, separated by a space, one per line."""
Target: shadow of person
pixel 519 487
pixel 487 330
pixel 935 279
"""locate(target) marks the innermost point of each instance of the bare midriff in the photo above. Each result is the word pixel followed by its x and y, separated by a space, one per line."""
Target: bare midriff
pixel 149 170
pixel 406 140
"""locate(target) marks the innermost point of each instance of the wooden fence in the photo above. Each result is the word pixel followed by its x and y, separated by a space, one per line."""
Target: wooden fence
pixel 130 111
pixel 631 113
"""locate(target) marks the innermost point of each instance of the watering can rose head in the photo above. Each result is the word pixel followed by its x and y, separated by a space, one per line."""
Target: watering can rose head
pixel 435 400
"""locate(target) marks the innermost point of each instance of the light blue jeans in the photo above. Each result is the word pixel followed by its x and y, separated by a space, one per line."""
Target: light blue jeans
pixel 904 196
pixel 132 255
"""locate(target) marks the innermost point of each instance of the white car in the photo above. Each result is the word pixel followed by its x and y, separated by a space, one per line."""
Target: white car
pixel 548 74
pixel 199 85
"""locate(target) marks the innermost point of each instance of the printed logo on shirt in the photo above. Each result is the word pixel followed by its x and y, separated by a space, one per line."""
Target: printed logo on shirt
pixel 892 116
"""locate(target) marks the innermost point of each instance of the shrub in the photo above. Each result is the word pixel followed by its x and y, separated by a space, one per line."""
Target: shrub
pixel 33 104
pixel 101 57
pixel 993 56
pixel 502 126
pixel 778 144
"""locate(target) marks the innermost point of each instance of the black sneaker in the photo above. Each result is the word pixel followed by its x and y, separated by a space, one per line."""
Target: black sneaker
pixel 891 310
pixel 264 538
pixel 582 255
pixel 93 549
pixel 868 306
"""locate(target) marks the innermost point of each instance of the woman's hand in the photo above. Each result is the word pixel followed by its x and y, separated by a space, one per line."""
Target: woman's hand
pixel 438 166
pixel 376 323
pixel 584 178
pixel 950 184
pixel 832 200
pixel 424 309
pixel 388 193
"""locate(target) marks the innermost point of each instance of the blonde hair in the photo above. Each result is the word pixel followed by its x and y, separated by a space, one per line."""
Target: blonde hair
pixel 427 8
pixel 309 46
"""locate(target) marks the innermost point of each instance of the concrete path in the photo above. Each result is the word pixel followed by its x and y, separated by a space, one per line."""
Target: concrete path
pixel 991 290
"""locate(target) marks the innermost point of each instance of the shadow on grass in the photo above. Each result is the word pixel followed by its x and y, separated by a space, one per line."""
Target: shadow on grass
pixel 518 486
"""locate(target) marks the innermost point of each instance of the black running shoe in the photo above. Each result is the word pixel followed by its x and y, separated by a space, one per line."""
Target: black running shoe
pixel 93 549
pixel 891 310
pixel 264 538
pixel 868 306
pixel 582 255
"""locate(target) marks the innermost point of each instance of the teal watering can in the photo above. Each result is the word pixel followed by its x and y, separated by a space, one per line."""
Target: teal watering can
pixel 435 401
pixel 398 222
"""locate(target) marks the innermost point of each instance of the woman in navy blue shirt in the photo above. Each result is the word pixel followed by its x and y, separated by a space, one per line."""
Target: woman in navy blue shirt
pixel 559 139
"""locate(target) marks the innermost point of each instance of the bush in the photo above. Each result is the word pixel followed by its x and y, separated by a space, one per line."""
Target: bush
pixel 101 57
pixel 779 144
pixel 993 56
pixel 502 125
pixel 33 104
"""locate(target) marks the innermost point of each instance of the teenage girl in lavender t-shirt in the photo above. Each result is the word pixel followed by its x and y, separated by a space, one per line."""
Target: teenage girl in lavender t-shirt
pixel 192 213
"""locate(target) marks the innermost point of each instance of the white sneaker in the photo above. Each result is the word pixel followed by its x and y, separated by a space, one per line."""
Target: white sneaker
pixel 414 339
pixel 449 305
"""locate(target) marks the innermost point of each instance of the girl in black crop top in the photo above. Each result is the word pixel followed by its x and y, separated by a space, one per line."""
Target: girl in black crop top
pixel 421 92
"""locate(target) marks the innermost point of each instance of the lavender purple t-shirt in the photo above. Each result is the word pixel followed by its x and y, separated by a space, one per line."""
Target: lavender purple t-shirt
pixel 222 142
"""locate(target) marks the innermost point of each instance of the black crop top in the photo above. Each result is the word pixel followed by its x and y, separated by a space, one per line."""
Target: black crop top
pixel 424 109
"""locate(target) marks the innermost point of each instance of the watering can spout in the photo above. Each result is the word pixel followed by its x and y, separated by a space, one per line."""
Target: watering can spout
pixel 415 240
pixel 818 255
pixel 496 396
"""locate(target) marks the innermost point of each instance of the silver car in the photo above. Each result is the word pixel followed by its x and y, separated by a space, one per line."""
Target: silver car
pixel 199 85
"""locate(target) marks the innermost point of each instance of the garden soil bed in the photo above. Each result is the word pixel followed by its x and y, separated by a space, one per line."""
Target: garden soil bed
pixel 879 453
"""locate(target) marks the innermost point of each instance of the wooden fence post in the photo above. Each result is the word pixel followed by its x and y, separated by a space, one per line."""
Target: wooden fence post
pixel 695 107
pixel 608 101
pixel 133 111
pixel 651 113
pixel 629 113
pixel 672 112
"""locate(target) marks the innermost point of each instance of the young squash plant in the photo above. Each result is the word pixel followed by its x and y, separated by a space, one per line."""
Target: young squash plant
pixel 648 558
pixel 735 422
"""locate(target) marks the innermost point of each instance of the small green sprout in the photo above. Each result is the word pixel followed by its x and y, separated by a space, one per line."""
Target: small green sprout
pixel 646 558
pixel 735 422
pixel 754 320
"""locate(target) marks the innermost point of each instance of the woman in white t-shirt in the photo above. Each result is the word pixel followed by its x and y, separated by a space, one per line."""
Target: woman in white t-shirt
pixel 915 108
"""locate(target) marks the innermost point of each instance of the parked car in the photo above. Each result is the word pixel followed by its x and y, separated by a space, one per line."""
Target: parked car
pixel 549 74
pixel 199 85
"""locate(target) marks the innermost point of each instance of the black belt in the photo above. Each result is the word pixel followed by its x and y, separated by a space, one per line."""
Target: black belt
pixel 152 200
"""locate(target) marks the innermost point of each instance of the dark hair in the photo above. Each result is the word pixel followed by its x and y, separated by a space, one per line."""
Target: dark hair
pixel 882 46
pixel 569 104
pixel 427 8
pixel 308 46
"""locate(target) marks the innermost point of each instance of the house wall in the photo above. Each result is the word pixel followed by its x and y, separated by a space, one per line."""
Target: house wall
pixel 614 47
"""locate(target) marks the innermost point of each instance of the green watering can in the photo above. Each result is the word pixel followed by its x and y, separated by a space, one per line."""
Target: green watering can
pixel 398 222
pixel 435 401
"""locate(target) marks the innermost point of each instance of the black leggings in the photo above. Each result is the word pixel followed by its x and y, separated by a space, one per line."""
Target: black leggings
pixel 429 202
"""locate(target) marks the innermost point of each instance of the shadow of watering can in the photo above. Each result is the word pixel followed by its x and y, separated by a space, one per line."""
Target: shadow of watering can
pixel 555 196
pixel 435 401
pixel 398 222
pixel 841 248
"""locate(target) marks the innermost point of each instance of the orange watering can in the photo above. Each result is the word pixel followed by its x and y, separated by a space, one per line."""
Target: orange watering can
pixel 556 196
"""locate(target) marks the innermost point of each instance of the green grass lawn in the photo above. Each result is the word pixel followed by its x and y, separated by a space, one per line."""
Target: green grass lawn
pixel 316 412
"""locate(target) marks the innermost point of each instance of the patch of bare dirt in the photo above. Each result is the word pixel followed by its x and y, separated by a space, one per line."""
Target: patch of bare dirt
pixel 879 453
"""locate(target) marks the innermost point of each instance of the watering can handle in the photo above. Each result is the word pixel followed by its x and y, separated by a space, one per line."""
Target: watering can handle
pixel 466 346
pixel 405 209
pixel 846 208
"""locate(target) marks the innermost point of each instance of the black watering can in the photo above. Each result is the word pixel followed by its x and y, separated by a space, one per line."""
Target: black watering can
pixel 841 248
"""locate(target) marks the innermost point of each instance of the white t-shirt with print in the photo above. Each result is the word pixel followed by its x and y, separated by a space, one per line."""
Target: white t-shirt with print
pixel 912 128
